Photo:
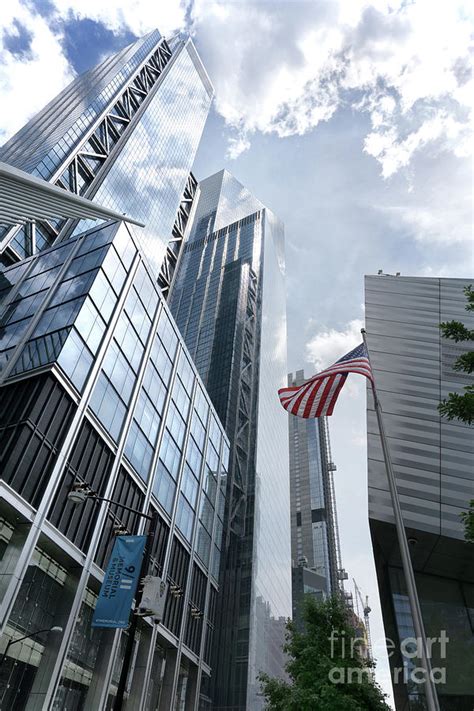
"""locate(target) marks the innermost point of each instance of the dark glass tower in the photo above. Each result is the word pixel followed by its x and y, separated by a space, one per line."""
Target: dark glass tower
pixel 124 133
pixel 229 302
pixel 316 566
pixel 433 461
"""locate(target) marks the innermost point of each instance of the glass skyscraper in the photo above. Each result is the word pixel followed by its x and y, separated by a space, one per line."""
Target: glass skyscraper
pixel 229 302
pixel 97 388
pixel 103 393
pixel 124 133
pixel 433 463
pixel 315 553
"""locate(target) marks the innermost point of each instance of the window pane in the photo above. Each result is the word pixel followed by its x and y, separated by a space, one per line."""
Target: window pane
pixel 118 371
pixel 164 488
pixel 90 325
pixel 189 486
pixel 203 545
pixel 167 334
pixel 181 397
pixel 161 360
pixel 138 451
pixel 206 513
pixel 154 387
pixel 170 454
pixel 103 295
pixel 147 417
pixel 184 518
pixel 175 424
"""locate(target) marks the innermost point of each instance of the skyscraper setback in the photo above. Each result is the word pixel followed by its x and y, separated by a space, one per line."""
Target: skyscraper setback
pixel 230 305
pixel 99 391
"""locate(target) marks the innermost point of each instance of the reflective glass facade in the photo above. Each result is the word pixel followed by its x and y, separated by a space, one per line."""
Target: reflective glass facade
pixel 314 544
pixel 433 463
pixel 42 144
pixel 148 177
pixel 229 302
pixel 125 134
pixel 100 389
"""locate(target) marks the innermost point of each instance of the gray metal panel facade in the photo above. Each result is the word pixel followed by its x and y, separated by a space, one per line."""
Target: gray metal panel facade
pixel 433 458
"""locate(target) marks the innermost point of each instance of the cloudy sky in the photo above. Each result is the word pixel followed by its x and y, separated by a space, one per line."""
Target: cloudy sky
pixel 351 119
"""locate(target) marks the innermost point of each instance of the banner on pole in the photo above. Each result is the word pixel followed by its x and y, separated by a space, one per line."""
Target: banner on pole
pixel 120 582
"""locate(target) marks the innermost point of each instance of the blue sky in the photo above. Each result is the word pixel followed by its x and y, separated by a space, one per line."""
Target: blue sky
pixel 351 119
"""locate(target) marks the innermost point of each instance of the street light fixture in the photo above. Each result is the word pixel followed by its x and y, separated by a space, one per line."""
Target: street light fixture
pixel 27 636
pixel 78 495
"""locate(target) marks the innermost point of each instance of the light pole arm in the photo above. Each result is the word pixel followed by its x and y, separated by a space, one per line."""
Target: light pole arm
pixel 91 495
pixel 11 642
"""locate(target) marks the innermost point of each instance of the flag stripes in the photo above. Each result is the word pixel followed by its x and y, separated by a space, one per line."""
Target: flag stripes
pixel 318 395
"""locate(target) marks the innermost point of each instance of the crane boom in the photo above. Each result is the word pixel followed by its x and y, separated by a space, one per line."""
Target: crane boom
pixel 366 611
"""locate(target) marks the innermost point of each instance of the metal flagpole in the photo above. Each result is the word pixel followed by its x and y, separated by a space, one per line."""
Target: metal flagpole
pixel 430 690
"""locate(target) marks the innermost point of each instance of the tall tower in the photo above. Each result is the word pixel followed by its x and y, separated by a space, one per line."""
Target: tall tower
pixel 97 390
pixel 125 133
pixel 230 305
pixel 315 554
pixel 433 464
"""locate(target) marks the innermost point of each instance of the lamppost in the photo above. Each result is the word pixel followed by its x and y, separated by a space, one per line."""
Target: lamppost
pixel 78 495
pixel 27 636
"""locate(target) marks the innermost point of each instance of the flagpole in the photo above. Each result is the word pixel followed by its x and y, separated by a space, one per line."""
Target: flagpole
pixel 430 690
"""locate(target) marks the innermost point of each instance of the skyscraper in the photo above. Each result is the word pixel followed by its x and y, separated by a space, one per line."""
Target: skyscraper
pixel 98 389
pixel 229 303
pixel 316 566
pixel 433 463
pixel 124 133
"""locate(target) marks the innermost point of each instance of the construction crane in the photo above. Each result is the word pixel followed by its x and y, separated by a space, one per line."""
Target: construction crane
pixel 365 609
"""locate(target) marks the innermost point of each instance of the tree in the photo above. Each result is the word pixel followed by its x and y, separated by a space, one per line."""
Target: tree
pixel 456 406
pixel 468 520
pixel 326 669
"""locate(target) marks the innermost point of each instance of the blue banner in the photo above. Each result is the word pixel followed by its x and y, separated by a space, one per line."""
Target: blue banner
pixel 120 582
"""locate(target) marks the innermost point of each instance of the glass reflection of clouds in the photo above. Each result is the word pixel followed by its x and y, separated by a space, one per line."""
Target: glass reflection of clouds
pixel 237 245
pixel 148 177
pixel 271 547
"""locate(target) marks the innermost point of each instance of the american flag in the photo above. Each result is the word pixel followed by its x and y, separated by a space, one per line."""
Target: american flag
pixel 318 395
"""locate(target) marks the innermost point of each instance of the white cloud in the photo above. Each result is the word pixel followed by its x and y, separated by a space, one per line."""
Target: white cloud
pixel 28 81
pixel 237 145
pixel 327 346
pixel 139 16
pixel 438 209
pixel 284 67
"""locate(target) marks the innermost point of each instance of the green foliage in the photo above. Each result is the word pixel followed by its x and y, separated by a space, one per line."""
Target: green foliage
pixel 457 406
pixel 457 331
pixel 324 673
pixel 468 518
